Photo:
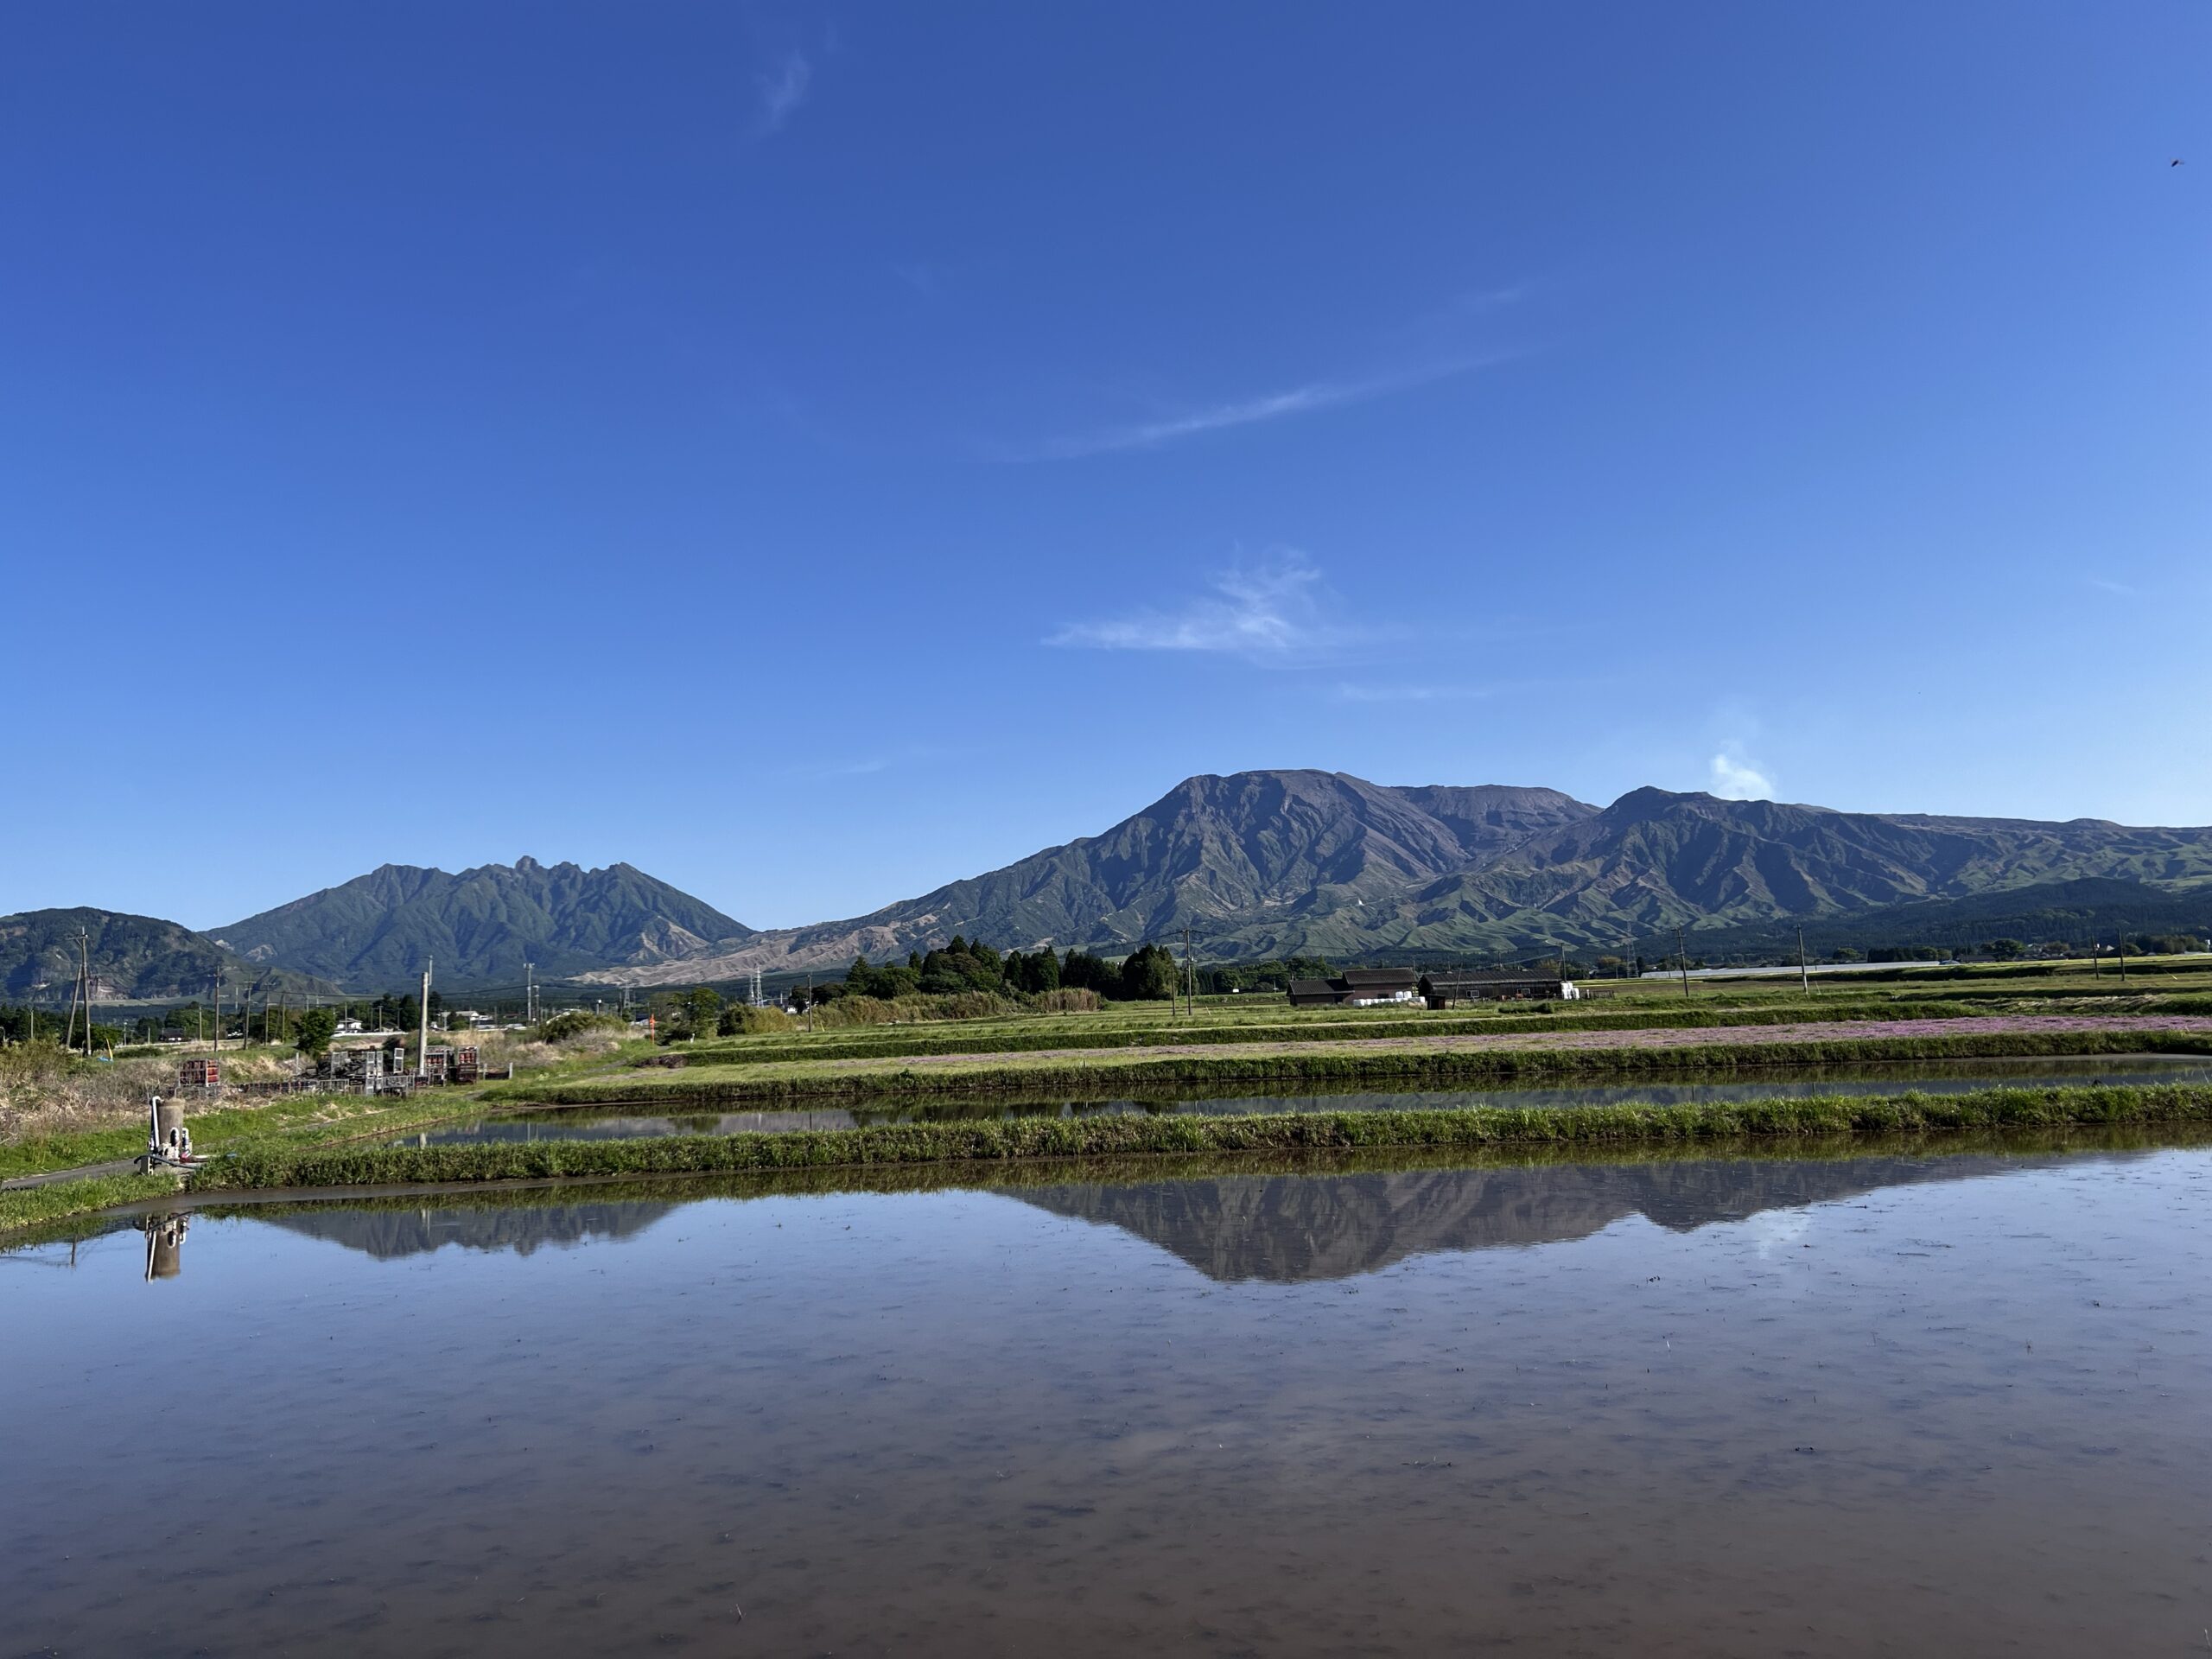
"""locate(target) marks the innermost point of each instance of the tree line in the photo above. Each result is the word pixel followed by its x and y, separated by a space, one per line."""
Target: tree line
pixel 1148 974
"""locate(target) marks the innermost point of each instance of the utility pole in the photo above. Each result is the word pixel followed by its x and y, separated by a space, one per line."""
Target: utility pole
pixel 528 993
pixel 1189 979
pixel 69 1031
pixel 85 962
pixel 809 1002
pixel 1804 978
pixel 219 1010
pixel 422 1044
pixel 1682 956
pixel 2119 944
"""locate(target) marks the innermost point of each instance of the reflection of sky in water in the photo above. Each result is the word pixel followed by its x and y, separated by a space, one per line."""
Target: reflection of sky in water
pixel 1575 1408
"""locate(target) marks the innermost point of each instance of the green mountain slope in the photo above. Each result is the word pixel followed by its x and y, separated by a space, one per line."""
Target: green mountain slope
pixel 1244 860
pixel 134 959
pixel 1265 864
pixel 2075 912
pixel 482 925
pixel 1653 861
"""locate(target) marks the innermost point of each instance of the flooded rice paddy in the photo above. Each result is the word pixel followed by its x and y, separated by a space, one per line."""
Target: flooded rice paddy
pixel 1882 1403
pixel 1739 1082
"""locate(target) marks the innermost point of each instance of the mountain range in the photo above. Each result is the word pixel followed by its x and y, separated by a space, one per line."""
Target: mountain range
pixel 1256 865
pixel 1270 864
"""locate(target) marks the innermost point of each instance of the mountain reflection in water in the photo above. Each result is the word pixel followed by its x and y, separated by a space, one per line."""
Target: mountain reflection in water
pixel 1292 1228
pixel 391 1234
pixel 1285 1227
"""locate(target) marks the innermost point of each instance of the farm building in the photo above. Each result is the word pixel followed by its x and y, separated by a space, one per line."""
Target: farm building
pixel 1442 990
pixel 1356 988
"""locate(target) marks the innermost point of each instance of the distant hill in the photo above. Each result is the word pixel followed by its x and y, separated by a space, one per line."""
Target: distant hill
pixel 2077 911
pixel 1654 861
pixel 483 924
pixel 1269 864
pixel 134 959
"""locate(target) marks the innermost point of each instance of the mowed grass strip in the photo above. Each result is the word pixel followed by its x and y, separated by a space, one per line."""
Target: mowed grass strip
pixel 1401 1065
pixel 1129 1134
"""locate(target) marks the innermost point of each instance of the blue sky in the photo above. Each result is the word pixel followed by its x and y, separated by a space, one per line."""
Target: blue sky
pixel 814 453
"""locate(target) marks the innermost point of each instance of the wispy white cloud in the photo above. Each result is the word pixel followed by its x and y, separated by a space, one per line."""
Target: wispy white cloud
pixel 783 89
pixel 2109 585
pixel 1252 411
pixel 1271 611
pixel 1411 693
pixel 1735 778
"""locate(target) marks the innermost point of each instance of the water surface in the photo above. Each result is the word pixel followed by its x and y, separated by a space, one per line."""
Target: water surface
pixel 1743 1406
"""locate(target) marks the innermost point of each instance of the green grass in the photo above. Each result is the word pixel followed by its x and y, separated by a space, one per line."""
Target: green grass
pixel 34 1206
pixel 276 1166
pixel 307 1117
pixel 1400 1066
pixel 1046 1032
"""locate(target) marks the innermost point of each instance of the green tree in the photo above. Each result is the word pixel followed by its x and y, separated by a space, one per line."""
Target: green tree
pixel 316 1027
pixel 2007 949
pixel 1149 974
pixel 702 1008
pixel 1080 971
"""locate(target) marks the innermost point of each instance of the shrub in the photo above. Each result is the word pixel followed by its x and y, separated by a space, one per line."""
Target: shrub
pixel 912 1010
pixel 575 1023
pixel 740 1019
pixel 1065 1001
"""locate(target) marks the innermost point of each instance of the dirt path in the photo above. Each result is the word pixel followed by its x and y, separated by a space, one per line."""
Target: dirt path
pixel 83 1172
pixel 1660 1037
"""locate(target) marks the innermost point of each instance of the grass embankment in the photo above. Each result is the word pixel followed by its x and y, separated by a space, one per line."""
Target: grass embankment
pixel 1402 1066
pixel 1124 1135
pixel 1084 1034
pixel 33 1206
pixel 1095 1032
pixel 1016 1174
pixel 309 1117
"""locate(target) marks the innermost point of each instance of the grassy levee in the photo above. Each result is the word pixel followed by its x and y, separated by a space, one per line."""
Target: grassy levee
pixel 306 1116
pixel 35 1206
pixel 1049 1032
pixel 719 1085
pixel 1016 1174
pixel 1103 1032
pixel 1123 1136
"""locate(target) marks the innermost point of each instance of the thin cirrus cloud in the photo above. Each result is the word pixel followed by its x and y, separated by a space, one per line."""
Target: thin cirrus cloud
pixel 783 90
pixel 1352 693
pixel 1254 411
pixel 1272 611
